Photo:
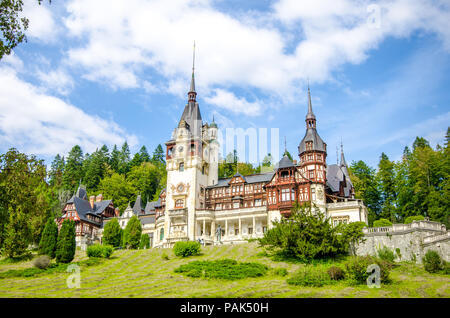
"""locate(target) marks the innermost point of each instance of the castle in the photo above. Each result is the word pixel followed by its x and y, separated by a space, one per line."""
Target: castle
pixel 197 205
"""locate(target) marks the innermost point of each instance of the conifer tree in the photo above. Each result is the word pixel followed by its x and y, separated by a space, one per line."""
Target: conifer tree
pixel 145 242
pixel 132 233
pixel 49 238
pixel 386 177
pixel 66 245
pixel 124 159
pixel 114 159
pixel 143 154
pixel 112 233
pixel 56 171
pixel 17 234
pixel 158 155
pixel 73 171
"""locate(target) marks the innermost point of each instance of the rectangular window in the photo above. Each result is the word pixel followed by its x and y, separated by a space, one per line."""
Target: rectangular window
pixel 258 202
pixel 236 205
pixel 181 167
pixel 236 231
pixel 313 194
pixel 250 230
pixel 285 195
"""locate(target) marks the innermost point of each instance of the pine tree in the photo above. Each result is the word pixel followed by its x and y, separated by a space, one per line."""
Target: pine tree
pixel 73 171
pixel 386 176
pixel 158 156
pixel 114 159
pixel 66 245
pixel 143 154
pixel 56 171
pixel 17 234
pixel 49 238
pixel 95 170
pixel 132 233
pixel 124 159
pixel 112 233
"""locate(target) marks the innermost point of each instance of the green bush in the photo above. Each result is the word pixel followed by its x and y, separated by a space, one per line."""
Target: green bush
pixel 336 273
pixel 164 256
pixel 432 262
pixel 307 235
pixel 386 254
pixel 446 270
pixel 382 223
pixel 314 276
pixel 185 249
pixel 145 241
pixel 65 246
pixel 357 266
pixel 97 250
pixel 112 233
pixel 222 269
pixel 132 233
pixel 412 218
pixel 107 251
pixel 42 262
pixel 398 253
pixel 280 271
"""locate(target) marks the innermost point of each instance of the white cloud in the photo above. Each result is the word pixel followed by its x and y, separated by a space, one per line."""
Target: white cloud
pixel 58 80
pixel 45 125
pixel 42 24
pixel 227 100
pixel 238 51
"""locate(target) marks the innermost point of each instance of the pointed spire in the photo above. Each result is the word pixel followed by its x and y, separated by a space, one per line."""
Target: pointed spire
pixel 343 163
pixel 285 148
pixel 192 94
pixel 310 117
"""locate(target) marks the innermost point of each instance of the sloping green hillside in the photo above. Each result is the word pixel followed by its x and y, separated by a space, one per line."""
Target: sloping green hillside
pixel 145 273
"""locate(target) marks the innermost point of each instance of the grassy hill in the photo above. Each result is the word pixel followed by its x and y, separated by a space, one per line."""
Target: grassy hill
pixel 145 273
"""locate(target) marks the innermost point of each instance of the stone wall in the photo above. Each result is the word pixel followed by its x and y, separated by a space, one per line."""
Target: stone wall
pixel 413 240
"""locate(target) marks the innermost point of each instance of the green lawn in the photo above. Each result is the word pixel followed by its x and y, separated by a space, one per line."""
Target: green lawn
pixel 144 273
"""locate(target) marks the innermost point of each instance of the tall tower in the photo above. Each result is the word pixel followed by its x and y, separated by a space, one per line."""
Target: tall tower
pixel 312 152
pixel 189 171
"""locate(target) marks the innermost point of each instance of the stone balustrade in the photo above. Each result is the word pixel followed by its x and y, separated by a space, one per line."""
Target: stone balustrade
pixel 435 238
pixel 425 225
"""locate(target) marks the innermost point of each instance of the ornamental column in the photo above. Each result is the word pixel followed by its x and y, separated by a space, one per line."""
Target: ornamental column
pixel 254 227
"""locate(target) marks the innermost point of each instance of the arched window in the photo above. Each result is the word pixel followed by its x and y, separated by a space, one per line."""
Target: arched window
pixel 161 234
pixel 181 168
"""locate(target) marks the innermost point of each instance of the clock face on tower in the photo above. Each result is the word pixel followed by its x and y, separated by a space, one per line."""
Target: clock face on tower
pixel 180 188
pixel 180 149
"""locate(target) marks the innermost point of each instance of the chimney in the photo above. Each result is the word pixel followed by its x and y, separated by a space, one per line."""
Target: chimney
pixel 117 212
pixel 99 198
pixel 91 201
pixel 295 162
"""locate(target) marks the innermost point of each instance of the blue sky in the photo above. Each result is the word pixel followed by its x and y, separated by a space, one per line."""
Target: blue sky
pixel 102 72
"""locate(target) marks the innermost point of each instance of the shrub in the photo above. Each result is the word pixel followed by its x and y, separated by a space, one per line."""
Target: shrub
pixel 97 250
pixel 112 233
pixel 399 254
pixel 382 223
pixel 386 254
pixel 446 270
pixel 184 249
pixel 306 235
pixel 222 269
pixel 336 273
pixel 107 251
pixel 412 218
pixel 280 271
pixel 310 276
pixel 49 238
pixel 432 262
pixel 164 256
pixel 357 266
pixel 65 247
pixel 145 241
pixel 42 262
pixel 132 233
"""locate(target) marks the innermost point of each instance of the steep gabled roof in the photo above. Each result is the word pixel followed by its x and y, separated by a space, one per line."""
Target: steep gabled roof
pixel 137 207
pixel 285 162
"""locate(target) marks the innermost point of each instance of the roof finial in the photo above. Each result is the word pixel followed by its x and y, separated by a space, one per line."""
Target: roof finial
pixel 343 163
pixel 337 155
pixel 192 92
pixel 285 148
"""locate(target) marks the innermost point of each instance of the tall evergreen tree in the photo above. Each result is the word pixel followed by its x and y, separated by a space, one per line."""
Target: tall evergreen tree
pixel 114 159
pixel 132 233
pixel 17 234
pixel 95 170
pixel 66 245
pixel 73 171
pixel 386 177
pixel 145 157
pixel 49 238
pixel 56 171
pixel 158 156
pixel 124 159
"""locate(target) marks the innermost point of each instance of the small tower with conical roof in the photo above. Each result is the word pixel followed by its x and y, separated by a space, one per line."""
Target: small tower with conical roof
pixel 312 152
